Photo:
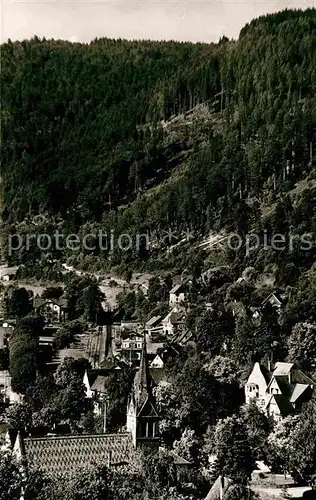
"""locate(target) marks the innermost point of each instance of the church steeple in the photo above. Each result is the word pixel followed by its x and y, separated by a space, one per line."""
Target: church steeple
pixel 142 415
pixel 143 381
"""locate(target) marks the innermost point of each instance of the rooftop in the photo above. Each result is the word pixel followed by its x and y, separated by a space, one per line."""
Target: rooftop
pixel 174 317
pixel 153 321
pixel 177 288
pixel 66 454
pixel 100 384
pixel 40 301
pixel 282 368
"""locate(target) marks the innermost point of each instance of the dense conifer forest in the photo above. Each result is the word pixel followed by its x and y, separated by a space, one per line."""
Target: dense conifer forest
pixel 191 145
pixel 140 136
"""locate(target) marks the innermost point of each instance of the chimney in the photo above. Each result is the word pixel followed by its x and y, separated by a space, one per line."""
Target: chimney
pixel 109 458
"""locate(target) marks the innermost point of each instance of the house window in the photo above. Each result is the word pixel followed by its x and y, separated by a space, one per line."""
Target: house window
pixel 142 430
pixel 150 428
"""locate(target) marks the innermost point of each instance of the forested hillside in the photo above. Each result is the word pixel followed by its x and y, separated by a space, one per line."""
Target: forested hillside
pixel 142 136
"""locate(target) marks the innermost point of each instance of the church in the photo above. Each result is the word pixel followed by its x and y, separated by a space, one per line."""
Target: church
pixel 142 416
pixel 68 453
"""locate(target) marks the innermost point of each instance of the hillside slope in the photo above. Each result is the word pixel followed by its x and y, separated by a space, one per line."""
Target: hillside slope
pixel 146 136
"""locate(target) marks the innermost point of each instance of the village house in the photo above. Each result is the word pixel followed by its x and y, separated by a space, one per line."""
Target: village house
pixel 178 295
pixel 271 301
pixel 174 322
pixel 95 383
pixel 157 362
pixel 153 326
pixel 131 347
pixel 280 393
pixel 9 397
pixel 52 310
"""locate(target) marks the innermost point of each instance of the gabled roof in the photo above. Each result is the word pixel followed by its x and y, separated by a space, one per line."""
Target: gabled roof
pixel 214 491
pixel 177 288
pixel 283 384
pixel 141 394
pixel 292 384
pixel 11 436
pixel 174 317
pixel 177 460
pixel 153 321
pixel 282 402
pixel 274 299
pixel 40 301
pixel 300 378
pixel 66 454
pixel 299 389
pixel 182 337
pixel 282 368
pixel 261 371
pixel 100 383
pixel 147 409
pixel 109 364
pixel 97 377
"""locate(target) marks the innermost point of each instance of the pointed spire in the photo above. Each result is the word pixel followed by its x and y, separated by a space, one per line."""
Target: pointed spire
pixel 142 382
pixel 143 376
pixel 108 347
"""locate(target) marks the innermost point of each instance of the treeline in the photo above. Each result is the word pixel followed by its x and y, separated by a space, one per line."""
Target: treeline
pixel 89 138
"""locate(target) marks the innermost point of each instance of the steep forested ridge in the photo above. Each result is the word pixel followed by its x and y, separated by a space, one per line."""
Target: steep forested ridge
pixel 146 135
pixel 193 144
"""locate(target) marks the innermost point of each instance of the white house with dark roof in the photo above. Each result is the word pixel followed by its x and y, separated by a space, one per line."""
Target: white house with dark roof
pixel 175 321
pixel 53 310
pixel 283 393
pixel 178 295
pixel 132 342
